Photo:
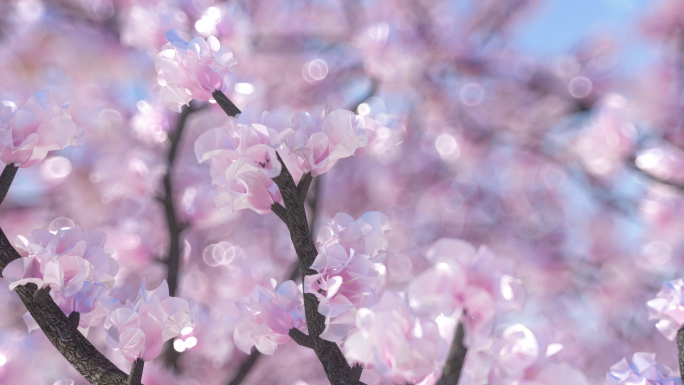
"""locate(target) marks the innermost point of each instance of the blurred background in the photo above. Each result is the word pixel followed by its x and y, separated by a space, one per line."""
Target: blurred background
pixel 549 131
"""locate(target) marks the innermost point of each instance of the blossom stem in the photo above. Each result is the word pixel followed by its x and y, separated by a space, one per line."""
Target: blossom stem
pixel 6 180
pixel 175 228
pixel 680 348
pixel 329 354
pixel 454 364
pixel 226 105
pixel 74 319
pixel 73 345
pixel 135 378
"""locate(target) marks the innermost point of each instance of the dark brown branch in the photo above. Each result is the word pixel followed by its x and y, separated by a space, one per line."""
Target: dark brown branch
pixel 301 339
pixel 329 354
pixel 280 211
pixel 454 363
pixel 175 228
pixel 303 187
pixel 357 370
pixel 59 330
pixel 226 105
pixel 74 319
pixel 6 179
pixel 680 348
pixel 135 378
pixel 73 345
pixel 246 366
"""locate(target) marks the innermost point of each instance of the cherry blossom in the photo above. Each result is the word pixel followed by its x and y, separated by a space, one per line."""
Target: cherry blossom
pixel 318 145
pixel 41 125
pixel 138 329
pixel 518 357
pixel 365 235
pixel 64 258
pixel 668 309
pixel 192 70
pixel 344 283
pixel 643 370
pixel 466 278
pixel 267 316
pixel 390 327
pixel 243 161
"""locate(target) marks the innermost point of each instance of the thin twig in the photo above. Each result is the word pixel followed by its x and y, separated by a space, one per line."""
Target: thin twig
pixel 175 228
pixel 454 363
pixel 226 105
pixel 6 179
pixel 135 378
pixel 329 354
pixel 74 318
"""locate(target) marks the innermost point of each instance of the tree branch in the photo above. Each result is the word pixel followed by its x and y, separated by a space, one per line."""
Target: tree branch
pixel 175 228
pixel 301 339
pixel 74 319
pixel 73 345
pixel 59 330
pixel 6 179
pixel 245 368
pixel 280 211
pixel 135 378
pixel 226 105
pixel 680 348
pixel 454 363
pixel 329 354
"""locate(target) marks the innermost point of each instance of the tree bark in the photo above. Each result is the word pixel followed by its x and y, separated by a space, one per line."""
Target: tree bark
pixel 329 354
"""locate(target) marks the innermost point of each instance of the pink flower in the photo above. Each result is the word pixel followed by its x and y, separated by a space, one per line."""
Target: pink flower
pixel 394 342
pixel 64 259
pixel 517 357
pixel 668 308
pixel 43 124
pixel 138 329
pixel 319 145
pixel 243 161
pixel 643 370
pixel 458 264
pixel 365 235
pixel 191 70
pixel 267 317
pixel 345 282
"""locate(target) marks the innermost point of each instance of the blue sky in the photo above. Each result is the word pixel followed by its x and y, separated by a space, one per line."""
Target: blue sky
pixel 558 25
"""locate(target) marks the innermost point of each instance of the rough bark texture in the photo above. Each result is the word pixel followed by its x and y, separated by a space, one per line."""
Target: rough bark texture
pixel 59 329
pixel 329 354
pixel 226 105
pixel 6 179
pixel 454 364
pixel 74 319
pixel 135 378
pixel 680 348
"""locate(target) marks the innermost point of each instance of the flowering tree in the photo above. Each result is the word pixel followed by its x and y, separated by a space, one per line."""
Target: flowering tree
pixel 344 192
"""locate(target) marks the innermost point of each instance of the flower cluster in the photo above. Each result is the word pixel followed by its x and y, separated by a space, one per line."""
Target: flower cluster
pixel 668 309
pixel 365 235
pixel 72 262
pixel 346 269
pixel 139 329
pixel 465 278
pixel 243 161
pixel 41 125
pixel 390 328
pixel 267 317
pixel 643 370
pixel 318 145
pixel 192 70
